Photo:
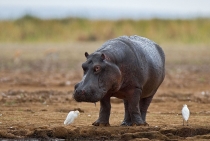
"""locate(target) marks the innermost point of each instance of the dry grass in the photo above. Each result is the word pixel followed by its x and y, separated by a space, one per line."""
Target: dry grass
pixel 30 29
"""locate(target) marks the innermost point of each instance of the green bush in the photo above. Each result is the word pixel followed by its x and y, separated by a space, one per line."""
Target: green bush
pixel 31 29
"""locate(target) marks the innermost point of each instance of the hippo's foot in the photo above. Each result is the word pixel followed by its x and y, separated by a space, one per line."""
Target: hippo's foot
pixel 136 122
pixel 140 124
pixel 126 123
pixel 98 123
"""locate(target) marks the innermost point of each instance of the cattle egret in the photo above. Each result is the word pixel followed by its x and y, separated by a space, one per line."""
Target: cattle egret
pixel 185 113
pixel 72 115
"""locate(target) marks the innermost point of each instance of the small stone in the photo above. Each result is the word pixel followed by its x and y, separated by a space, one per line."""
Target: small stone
pixel 68 83
pixel 203 93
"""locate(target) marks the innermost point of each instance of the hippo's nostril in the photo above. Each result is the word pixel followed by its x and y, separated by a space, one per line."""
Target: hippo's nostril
pixel 83 92
pixel 76 91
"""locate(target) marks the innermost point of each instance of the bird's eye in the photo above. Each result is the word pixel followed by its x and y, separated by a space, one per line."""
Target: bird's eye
pixel 97 68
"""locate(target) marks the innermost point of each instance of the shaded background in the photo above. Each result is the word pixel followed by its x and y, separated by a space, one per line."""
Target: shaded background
pixel 53 35
pixel 69 20
pixel 99 9
pixel 42 45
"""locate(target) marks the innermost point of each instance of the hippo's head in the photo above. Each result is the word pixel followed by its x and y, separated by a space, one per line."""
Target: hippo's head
pixel 101 76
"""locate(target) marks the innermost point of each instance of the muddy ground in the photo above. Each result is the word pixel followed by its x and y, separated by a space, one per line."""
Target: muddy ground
pixel 35 102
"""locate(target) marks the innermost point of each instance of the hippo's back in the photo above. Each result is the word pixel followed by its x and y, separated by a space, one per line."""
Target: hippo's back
pixel 152 52
pixel 146 52
pixel 138 45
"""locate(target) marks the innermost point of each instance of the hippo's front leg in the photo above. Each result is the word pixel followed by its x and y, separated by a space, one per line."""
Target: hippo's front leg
pixel 127 118
pixel 133 106
pixel 104 113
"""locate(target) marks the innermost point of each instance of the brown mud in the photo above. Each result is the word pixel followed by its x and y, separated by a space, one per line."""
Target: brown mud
pixel 36 108
pixel 35 102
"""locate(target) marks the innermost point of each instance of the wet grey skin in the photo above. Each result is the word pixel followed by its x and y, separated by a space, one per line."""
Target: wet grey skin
pixel 128 67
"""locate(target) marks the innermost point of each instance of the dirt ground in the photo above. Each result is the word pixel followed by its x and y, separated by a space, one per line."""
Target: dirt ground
pixel 34 105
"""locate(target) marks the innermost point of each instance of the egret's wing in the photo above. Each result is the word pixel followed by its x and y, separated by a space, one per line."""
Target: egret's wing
pixel 75 115
pixel 185 113
pixel 69 118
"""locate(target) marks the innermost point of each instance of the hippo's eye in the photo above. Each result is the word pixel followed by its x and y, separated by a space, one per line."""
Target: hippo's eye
pixel 97 68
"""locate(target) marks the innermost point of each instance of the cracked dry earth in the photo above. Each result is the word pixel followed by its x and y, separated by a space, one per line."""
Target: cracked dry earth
pixel 34 105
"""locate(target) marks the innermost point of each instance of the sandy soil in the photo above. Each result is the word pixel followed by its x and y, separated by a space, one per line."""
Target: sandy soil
pixel 36 108
pixel 34 105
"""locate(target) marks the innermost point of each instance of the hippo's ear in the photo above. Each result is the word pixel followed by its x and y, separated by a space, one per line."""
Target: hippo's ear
pixel 103 57
pixel 86 54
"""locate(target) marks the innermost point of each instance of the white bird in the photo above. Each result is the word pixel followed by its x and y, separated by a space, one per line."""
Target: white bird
pixel 185 114
pixel 72 115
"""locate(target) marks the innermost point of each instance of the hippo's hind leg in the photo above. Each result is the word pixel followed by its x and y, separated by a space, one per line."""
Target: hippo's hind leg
pixel 143 106
pixel 127 118
pixel 133 97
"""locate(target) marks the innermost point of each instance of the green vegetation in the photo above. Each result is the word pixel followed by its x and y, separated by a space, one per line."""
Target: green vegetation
pixel 31 29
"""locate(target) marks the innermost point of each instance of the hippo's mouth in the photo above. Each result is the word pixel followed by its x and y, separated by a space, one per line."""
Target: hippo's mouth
pixel 89 97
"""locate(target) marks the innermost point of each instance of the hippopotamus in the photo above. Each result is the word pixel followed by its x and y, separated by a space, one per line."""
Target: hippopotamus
pixel 130 68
